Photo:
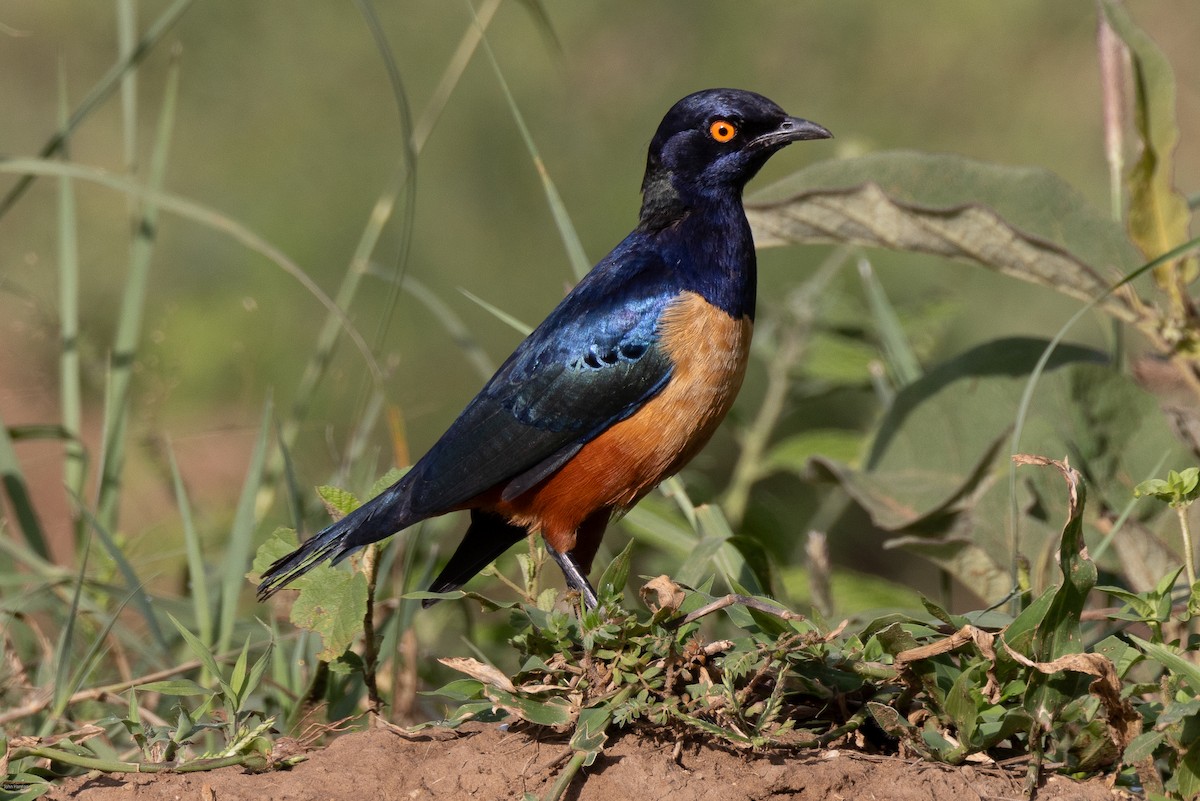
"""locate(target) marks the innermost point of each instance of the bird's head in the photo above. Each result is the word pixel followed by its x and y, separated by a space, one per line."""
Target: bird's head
pixel 711 143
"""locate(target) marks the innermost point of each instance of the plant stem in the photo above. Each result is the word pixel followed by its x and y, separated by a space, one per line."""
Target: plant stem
pixel 1189 552
pixel 566 777
pixel 370 566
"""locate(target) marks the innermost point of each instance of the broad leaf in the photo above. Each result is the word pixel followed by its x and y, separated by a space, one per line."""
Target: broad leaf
pixel 1023 222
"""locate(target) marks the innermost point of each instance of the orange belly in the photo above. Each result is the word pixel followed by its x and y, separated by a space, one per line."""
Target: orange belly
pixel 612 472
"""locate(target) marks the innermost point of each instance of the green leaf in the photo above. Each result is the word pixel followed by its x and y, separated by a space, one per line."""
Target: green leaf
pixel 1187 773
pixel 1171 660
pixel 555 712
pixel 617 572
pixel 935 609
pixel 962 705
pixel 237 678
pixel 591 731
pixel 459 690
pixel 386 480
pixel 792 453
pixel 1142 746
pixel 179 687
pixel 333 607
pixel 839 359
pixel 1019 634
pixel 257 670
pixel 199 649
pixel 281 542
pixel 338 502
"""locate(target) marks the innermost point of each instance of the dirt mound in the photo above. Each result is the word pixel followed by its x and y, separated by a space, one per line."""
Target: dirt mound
pixel 487 762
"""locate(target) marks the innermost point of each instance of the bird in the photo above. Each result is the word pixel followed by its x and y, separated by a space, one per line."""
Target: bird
pixel 622 383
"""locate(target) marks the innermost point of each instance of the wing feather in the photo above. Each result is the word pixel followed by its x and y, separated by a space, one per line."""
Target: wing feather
pixel 593 362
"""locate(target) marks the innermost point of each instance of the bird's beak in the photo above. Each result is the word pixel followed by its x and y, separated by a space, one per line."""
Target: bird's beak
pixel 792 129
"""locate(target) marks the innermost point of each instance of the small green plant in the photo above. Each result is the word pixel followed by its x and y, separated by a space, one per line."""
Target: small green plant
pixel 1179 490
pixel 941 686
pixel 222 729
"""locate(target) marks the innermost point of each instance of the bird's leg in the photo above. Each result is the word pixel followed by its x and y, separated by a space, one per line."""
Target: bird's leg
pixel 575 578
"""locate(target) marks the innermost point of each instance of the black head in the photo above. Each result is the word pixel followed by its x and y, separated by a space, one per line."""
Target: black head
pixel 712 142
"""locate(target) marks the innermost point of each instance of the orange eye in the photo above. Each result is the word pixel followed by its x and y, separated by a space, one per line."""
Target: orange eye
pixel 722 130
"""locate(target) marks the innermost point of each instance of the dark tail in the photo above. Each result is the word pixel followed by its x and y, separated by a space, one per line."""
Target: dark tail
pixel 380 517
pixel 487 537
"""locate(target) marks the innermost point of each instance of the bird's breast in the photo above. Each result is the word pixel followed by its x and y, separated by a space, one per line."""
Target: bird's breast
pixel 708 349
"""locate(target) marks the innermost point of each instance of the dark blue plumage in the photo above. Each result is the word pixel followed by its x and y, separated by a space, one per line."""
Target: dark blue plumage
pixel 620 384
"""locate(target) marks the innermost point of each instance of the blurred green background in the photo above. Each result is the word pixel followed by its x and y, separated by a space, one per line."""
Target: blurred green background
pixel 287 124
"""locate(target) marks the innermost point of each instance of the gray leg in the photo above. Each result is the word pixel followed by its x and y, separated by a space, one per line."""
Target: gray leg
pixel 575 578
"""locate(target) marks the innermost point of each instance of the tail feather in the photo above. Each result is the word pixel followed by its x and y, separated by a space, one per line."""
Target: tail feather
pixel 380 517
pixel 488 536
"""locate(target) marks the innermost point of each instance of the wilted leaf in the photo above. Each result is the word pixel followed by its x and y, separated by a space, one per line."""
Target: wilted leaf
pixel 662 593
pixel 1158 213
pixel 1023 222
pixel 1059 634
pixel 889 719
pixel 480 671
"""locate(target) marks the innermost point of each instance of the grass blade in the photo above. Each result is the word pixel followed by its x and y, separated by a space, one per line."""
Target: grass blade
pixel 70 388
pixel 903 362
pixel 129 322
pixel 566 229
pixel 453 73
pixel 410 162
pixel 189 209
pixel 18 495
pixel 87 663
pixel 98 94
pixel 459 333
pixel 202 612
pixel 521 328
pixel 63 661
pixel 126 42
pixel 241 539
pixel 133 583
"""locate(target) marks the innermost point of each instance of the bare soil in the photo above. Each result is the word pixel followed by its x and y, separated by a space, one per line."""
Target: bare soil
pixel 487 762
